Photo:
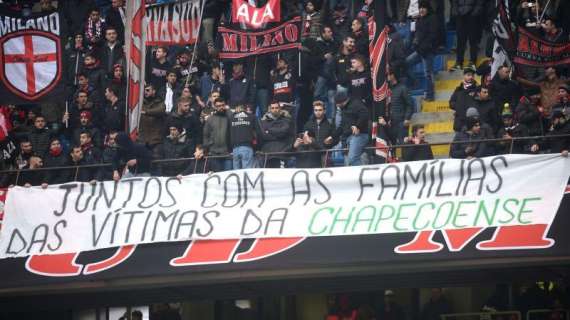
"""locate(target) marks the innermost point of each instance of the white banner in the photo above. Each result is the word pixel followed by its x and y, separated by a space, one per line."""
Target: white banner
pixel 262 203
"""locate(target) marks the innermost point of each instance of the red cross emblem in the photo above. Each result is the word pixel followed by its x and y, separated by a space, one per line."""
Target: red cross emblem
pixel 31 63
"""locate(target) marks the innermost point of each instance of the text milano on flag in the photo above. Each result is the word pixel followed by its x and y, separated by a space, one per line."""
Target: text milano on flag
pixel 31 69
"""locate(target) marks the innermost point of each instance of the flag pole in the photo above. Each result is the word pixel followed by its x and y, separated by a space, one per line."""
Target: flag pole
pixel 67 112
pixel 203 4
pixel 135 41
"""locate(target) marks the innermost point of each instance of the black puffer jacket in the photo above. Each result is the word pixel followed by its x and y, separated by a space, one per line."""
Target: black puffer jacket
pixel 40 140
pixel 528 115
pixel 505 91
pixel 462 99
pixel 276 133
pixel 128 150
pixel 57 176
pixel 174 148
pixel 354 113
pixel 322 130
pixel 425 39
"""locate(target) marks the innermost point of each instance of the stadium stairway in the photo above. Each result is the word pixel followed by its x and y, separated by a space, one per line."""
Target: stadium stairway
pixel 436 115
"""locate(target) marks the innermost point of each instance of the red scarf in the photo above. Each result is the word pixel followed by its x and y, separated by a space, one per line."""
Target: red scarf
pixel 86 147
pixel 55 152
pixel 237 75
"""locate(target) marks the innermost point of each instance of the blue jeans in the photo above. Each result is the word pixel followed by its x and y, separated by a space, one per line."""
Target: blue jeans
pixel 220 164
pixel 356 145
pixel 326 94
pixel 415 58
pixel 243 157
pixel 262 99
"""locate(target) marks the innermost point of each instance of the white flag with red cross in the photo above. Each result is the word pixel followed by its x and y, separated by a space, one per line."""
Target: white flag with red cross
pixel 31 68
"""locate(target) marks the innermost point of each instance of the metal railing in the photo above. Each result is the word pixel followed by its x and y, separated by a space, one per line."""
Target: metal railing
pixel 546 314
pixel 494 315
pixel 201 165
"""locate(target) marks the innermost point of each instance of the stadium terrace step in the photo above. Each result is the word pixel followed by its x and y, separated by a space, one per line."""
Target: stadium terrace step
pixel 450 85
pixel 435 106
pixel 441 151
pixel 451 63
pixel 439 127
pixel 444 137
pixel 426 118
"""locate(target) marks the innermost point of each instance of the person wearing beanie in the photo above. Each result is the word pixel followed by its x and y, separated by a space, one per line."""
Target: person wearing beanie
pixel 530 112
pixel 86 125
pixel 466 143
pixel 425 45
pixel 486 130
pixel 119 79
pixel 462 98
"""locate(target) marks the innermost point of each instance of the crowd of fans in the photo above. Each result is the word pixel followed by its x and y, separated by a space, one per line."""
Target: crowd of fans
pixel 293 107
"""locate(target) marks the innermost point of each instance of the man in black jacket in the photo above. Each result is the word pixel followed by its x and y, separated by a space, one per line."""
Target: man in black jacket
pixel 114 110
pixel 190 122
pixel 463 98
pixel 116 16
pixel 354 126
pixel 401 109
pixel 56 158
pixel 276 131
pixel 421 150
pixel 86 125
pixel 325 86
pixel 425 44
pixel 504 89
pixel 560 126
pixel 319 124
pixel 468 17
pixel 137 158
pixel 487 109
pixel 471 145
pixel 342 63
pixel 241 87
pixel 40 136
pixel 111 52
pixel 176 145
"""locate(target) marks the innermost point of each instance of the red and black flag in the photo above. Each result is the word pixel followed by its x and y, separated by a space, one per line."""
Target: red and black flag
pixel 378 36
pixel 31 50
